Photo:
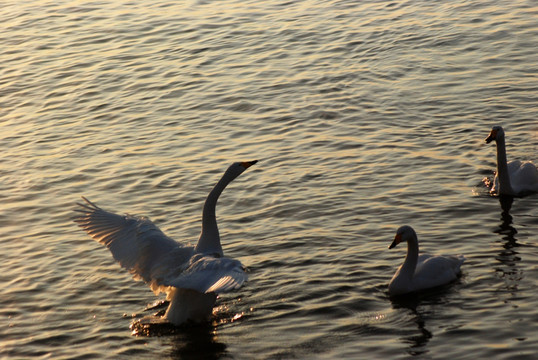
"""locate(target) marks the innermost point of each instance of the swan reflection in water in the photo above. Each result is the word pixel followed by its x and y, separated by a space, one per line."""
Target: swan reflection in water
pixel 202 343
pixel 508 256
pixel 506 228
pixel 417 342
pixel 191 340
pixel 197 341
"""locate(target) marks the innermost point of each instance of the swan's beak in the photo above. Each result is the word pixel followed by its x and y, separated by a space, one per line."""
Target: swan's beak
pixel 492 136
pixel 247 164
pixel 397 240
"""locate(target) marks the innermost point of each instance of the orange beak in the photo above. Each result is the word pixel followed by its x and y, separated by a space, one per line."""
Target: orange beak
pixel 397 240
pixel 247 164
pixel 492 136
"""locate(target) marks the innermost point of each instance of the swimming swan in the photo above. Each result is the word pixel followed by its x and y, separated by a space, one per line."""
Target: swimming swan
pixel 190 276
pixel 513 178
pixel 424 271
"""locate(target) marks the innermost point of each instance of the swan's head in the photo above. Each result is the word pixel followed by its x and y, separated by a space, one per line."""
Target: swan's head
pixel 496 133
pixel 238 168
pixel 404 233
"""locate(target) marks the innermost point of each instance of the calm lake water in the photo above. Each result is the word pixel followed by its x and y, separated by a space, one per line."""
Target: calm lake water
pixel 365 115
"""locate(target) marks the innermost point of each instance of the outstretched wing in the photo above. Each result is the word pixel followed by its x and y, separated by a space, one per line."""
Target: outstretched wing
pixel 136 243
pixel 210 274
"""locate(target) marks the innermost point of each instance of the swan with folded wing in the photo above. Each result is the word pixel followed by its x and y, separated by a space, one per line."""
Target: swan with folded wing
pixel 513 178
pixel 421 272
pixel 190 276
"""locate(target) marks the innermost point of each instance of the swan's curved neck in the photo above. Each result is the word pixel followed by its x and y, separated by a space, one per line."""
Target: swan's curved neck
pixel 411 259
pixel 209 241
pixel 505 187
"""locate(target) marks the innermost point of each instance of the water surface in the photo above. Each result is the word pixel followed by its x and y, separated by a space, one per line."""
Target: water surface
pixel 364 115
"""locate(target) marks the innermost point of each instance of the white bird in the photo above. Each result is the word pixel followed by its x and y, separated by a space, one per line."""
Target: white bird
pixel 424 271
pixel 513 178
pixel 190 276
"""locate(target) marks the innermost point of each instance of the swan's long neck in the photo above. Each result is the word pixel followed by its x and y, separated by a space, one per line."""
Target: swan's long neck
pixel 505 187
pixel 411 259
pixel 209 241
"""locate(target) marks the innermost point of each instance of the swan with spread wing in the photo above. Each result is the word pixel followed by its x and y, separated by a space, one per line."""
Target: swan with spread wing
pixel 190 276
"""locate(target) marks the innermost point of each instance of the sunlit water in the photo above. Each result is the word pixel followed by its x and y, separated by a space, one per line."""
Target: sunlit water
pixel 365 115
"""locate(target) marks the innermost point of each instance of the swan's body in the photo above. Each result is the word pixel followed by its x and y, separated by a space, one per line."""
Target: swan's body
pixel 190 276
pixel 515 177
pixel 424 271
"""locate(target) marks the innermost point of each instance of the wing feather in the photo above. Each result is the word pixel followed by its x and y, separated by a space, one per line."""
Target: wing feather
pixel 136 243
pixel 210 274
pixel 143 249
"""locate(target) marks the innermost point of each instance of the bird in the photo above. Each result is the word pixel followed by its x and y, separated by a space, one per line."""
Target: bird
pixel 191 276
pixel 515 178
pixel 421 272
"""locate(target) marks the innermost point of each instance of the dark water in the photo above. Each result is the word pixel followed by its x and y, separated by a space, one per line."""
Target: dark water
pixel 364 115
